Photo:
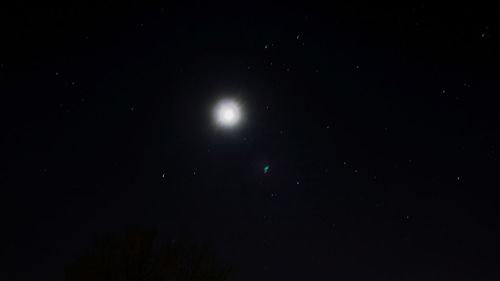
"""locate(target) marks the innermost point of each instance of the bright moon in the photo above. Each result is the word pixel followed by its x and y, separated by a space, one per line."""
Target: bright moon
pixel 227 113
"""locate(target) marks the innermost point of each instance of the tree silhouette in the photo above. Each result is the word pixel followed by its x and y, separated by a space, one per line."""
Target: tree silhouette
pixel 137 255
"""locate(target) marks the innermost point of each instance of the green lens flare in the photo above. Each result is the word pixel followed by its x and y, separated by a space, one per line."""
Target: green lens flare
pixel 266 169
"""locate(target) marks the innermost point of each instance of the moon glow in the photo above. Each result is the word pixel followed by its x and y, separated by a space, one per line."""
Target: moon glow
pixel 227 113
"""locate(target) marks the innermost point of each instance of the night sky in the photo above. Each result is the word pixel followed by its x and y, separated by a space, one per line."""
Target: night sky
pixel 368 147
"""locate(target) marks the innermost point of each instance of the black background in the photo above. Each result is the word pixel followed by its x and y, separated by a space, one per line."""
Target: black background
pixel 380 126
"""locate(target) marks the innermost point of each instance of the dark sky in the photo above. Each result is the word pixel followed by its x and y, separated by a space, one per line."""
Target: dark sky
pixel 381 128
